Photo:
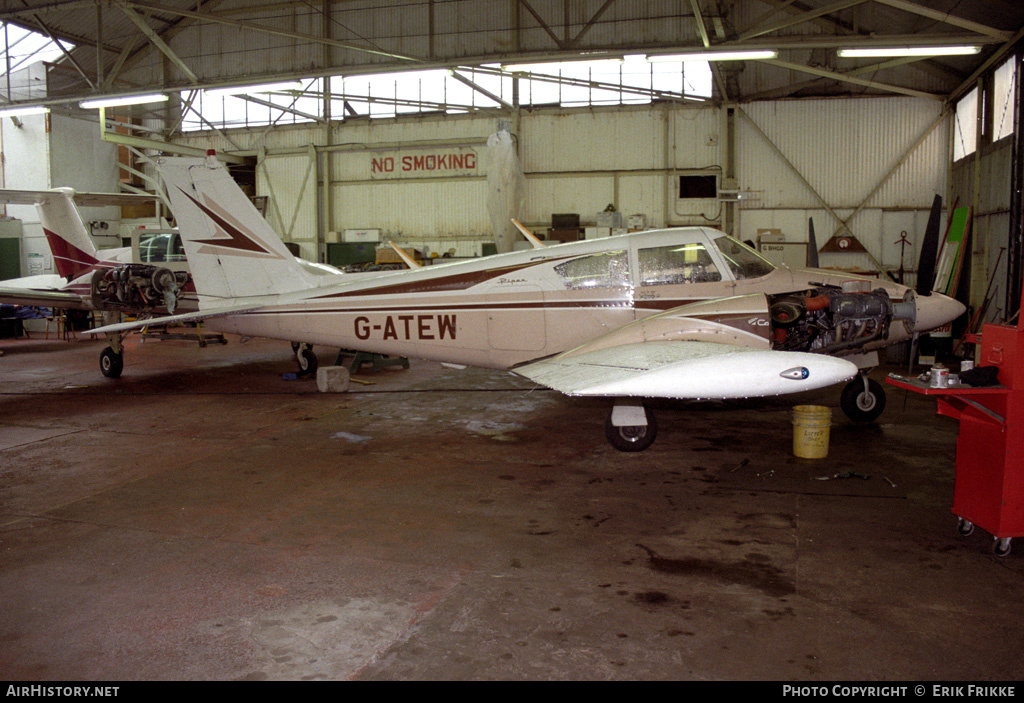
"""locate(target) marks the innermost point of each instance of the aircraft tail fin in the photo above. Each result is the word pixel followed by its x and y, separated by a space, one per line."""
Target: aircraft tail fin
pixel 232 251
pixel 73 250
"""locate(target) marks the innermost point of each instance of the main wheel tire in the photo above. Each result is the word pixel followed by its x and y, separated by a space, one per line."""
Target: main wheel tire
pixel 860 405
pixel 307 362
pixel 111 363
pixel 632 438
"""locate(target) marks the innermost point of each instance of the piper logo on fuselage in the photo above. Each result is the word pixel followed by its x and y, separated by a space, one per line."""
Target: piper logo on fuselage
pixel 418 327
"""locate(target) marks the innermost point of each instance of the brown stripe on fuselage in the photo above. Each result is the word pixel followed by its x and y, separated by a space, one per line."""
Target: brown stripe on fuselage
pixel 443 307
pixel 457 281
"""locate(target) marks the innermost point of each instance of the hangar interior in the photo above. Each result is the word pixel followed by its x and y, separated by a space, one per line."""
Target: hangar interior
pixel 204 517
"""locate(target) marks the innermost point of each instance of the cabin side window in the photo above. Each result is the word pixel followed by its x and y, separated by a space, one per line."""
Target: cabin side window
pixel 608 269
pixel 742 260
pixel 676 264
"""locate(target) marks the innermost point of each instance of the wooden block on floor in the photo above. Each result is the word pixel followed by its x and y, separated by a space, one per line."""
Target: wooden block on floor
pixel 332 379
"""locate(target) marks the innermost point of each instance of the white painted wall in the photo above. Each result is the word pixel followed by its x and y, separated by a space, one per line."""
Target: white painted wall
pixel 49 151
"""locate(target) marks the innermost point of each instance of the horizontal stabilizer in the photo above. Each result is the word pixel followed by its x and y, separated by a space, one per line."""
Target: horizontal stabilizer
pixel 175 319
pixel 695 370
pixel 39 197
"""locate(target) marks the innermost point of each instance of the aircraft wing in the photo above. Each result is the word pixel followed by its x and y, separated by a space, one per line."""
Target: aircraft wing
pixel 686 369
pixel 42 298
pixel 43 290
pixel 171 319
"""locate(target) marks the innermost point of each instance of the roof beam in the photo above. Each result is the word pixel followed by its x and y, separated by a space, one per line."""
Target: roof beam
pixel 792 88
pixel 947 18
pixel 799 19
pixel 68 56
pixel 706 41
pixel 543 25
pixel 851 79
pixel 252 26
pixel 156 40
pixel 282 108
pixel 591 22
pixel 483 91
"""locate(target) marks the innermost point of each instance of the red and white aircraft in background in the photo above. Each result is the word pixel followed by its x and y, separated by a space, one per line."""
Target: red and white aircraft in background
pixel 88 278
pixel 676 313
pixel 153 280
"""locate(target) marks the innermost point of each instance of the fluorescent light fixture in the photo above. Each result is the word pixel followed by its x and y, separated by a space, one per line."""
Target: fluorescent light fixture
pixel 552 66
pixel 908 51
pixel 22 111
pixel 747 55
pixel 123 100
pixel 250 89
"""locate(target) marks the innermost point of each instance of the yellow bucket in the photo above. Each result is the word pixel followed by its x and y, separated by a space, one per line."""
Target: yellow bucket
pixel 810 431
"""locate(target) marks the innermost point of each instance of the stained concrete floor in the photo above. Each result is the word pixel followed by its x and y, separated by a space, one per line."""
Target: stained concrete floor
pixel 204 518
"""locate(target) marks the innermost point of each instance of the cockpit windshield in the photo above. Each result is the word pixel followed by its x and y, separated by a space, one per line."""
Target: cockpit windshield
pixel 160 246
pixel 742 260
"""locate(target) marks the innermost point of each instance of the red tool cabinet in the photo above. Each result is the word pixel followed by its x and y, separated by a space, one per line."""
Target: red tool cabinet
pixel 989 488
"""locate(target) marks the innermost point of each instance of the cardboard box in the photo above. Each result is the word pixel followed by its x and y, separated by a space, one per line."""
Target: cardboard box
pixel 637 222
pixel 596 232
pixel 609 219
pixel 353 236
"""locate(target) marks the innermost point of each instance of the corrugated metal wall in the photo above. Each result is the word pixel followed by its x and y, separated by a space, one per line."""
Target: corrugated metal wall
pixel 579 161
pixel 844 150
pixel 991 223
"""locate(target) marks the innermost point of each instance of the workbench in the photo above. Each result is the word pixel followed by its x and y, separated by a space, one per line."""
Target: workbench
pixel 989 486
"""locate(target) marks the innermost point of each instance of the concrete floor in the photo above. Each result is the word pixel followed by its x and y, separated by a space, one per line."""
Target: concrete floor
pixel 204 518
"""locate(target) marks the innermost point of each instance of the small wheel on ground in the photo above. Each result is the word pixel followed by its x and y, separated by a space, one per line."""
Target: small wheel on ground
pixel 632 438
pixel 1001 546
pixel 964 528
pixel 307 362
pixel 111 363
pixel 862 405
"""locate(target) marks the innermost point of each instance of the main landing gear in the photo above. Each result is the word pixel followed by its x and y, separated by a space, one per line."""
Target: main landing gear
pixel 112 362
pixel 630 427
pixel 863 399
pixel 305 357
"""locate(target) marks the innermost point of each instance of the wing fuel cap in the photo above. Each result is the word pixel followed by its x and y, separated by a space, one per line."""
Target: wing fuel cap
pixel 798 373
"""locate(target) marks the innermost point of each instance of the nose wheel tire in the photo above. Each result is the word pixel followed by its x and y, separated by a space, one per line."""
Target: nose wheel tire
pixel 307 361
pixel 632 438
pixel 860 403
pixel 111 363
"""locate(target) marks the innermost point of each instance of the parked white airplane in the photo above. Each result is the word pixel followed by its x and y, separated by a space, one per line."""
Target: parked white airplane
pixel 111 280
pixel 88 278
pixel 676 313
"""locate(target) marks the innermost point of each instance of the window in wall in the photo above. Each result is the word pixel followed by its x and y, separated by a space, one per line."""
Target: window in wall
pixel 632 80
pixel 25 48
pixel 1004 87
pixel 965 125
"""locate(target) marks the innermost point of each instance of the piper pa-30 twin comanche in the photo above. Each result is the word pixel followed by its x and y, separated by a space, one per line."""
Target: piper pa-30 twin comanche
pixel 675 313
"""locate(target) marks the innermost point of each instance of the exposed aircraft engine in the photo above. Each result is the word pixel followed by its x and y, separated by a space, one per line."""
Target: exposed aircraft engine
pixel 830 321
pixel 137 287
